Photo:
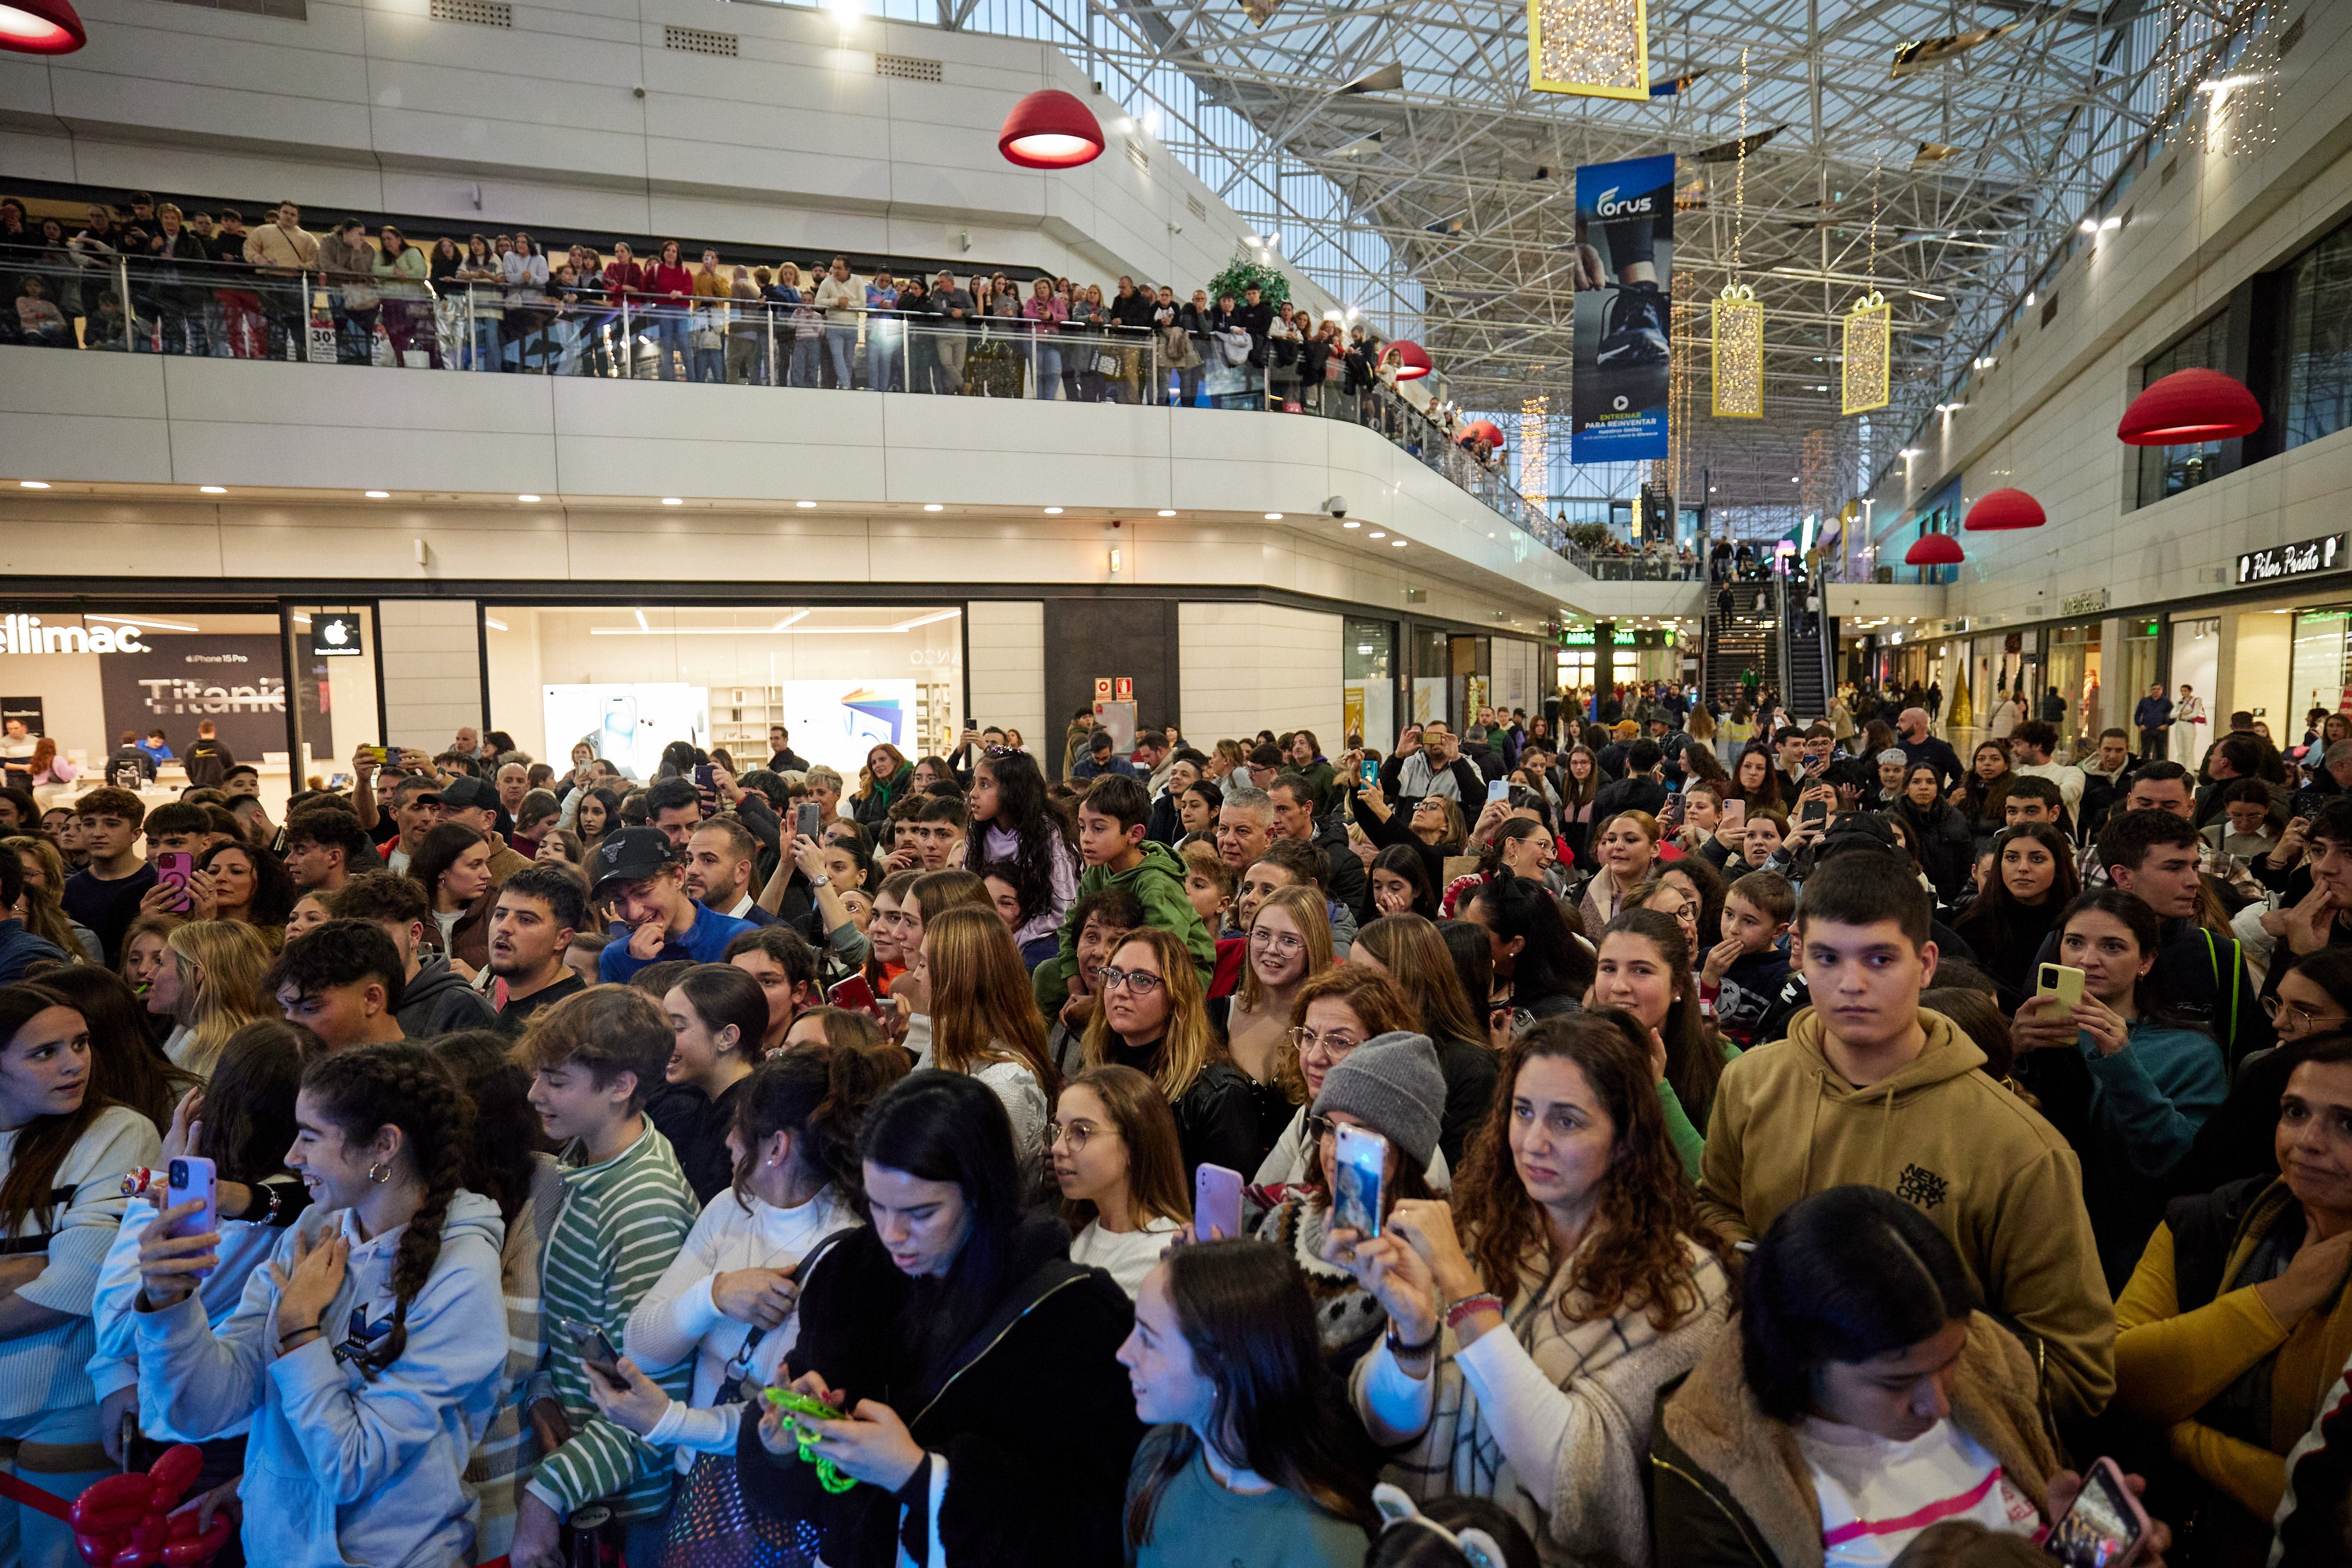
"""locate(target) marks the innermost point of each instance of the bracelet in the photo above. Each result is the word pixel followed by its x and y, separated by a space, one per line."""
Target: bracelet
pixel 1461 1310
pixel 285 1342
pixel 1407 1352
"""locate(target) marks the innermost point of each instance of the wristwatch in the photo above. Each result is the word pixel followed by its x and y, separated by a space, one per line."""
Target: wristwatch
pixel 820 882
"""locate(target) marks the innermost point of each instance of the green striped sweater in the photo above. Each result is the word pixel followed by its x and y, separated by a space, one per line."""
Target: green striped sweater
pixel 620 1225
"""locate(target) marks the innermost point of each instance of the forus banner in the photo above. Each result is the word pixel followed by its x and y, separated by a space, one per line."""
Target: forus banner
pixel 1624 280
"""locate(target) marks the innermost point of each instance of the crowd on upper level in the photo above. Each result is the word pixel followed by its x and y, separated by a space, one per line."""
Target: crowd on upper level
pixel 202 282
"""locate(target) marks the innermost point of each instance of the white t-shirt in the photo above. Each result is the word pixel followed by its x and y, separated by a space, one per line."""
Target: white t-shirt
pixel 1124 1256
pixel 1877 1495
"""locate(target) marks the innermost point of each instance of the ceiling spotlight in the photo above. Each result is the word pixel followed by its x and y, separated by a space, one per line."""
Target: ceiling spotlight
pixel 804 504
pixel 1377 533
pixel 1352 524
pixel 2090 225
pixel 213 489
pixel 526 498
pixel 1053 511
pixel 1167 511
pixel 371 495
pixel 1273 516
pixel 672 501
pixel 1909 452
pixel 1399 544
pixel 933 506
pixel 2115 223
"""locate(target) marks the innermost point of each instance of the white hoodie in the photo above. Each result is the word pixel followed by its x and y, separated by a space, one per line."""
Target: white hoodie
pixel 340 1469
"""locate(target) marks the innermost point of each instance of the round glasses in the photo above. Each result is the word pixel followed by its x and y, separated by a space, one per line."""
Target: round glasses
pixel 1333 1042
pixel 2294 1020
pixel 1283 942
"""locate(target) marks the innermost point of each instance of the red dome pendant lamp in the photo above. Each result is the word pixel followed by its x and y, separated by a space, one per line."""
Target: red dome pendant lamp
pixel 2187 407
pixel 1412 360
pixel 1048 129
pixel 2005 508
pixel 1934 550
pixel 40 27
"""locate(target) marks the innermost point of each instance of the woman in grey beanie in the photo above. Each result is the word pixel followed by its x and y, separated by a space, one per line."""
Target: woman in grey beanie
pixel 1391 1085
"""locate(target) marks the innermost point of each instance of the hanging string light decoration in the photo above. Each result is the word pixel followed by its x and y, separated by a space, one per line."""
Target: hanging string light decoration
pixel 1535 450
pixel 1869 337
pixel 2218 70
pixel 1735 338
pixel 1595 49
pixel 1681 380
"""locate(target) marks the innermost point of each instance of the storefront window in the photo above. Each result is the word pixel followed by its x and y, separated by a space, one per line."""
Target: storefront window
pixel 1432 667
pixel 2168 470
pixel 1367 686
pixel 626 681
pixel 2319 339
pixel 2320 667
pixel 2074 676
pixel 85 679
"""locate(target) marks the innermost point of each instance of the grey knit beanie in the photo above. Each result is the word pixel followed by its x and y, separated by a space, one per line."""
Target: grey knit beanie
pixel 1392 1083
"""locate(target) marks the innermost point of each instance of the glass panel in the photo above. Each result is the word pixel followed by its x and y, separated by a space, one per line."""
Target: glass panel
pixel 332 649
pixel 2319 339
pixel 625 682
pixel 2168 470
pixel 1432 666
pixel 1368 688
pixel 2319 665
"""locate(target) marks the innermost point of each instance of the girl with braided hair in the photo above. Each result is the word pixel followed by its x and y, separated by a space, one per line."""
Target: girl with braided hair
pixel 369 1352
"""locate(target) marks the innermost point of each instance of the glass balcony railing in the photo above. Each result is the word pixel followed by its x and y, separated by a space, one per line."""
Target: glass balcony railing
pixel 150 306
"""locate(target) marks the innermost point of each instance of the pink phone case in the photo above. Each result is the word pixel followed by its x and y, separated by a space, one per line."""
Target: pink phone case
pixel 1216 1203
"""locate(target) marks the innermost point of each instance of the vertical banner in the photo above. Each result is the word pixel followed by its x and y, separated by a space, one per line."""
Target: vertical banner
pixel 1624 280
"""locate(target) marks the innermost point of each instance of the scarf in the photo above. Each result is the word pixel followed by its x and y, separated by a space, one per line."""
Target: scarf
pixel 1610 1369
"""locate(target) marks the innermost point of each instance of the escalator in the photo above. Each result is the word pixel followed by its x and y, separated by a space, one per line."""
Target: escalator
pixel 1745 641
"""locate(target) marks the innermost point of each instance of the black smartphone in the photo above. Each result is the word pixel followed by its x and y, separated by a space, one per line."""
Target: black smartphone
pixel 808 819
pixel 704 780
pixel 597 1353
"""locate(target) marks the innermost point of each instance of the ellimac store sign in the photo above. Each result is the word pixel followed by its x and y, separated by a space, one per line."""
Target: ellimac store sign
pixel 26 634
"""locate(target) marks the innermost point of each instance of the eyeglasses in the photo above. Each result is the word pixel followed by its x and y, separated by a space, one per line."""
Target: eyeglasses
pixel 1336 1042
pixel 1142 982
pixel 2290 1018
pixel 1278 941
pixel 1075 1134
pixel 1321 1127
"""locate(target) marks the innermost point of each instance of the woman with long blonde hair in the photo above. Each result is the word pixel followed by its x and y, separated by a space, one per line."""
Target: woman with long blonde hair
pixel 210 987
pixel 1289 943
pixel 985 1024
pixel 1152 1017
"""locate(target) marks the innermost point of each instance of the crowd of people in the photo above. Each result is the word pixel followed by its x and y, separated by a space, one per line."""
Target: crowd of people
pixel 202 282
pixel 1533 1143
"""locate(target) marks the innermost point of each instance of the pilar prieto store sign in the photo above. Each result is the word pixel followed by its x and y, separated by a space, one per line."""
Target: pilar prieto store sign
pixel 2308 558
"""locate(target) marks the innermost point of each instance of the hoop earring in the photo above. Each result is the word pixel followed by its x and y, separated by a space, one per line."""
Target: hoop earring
pixel 379 1173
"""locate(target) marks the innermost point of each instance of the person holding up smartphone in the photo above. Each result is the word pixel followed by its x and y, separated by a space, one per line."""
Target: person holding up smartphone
pixel 1867 1392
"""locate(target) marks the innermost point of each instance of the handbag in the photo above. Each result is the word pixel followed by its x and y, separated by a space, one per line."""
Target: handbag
pixel 1105 364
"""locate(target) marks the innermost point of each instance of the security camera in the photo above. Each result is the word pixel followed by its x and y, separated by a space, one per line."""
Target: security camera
pixel 1337 506
pixel 1175 228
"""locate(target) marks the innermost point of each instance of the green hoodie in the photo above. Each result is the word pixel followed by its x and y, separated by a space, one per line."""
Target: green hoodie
pixel 1158 883
pixel 1982 1163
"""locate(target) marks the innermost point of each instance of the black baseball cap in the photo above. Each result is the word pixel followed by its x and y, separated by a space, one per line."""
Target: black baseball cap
pixel 632 854
pixel 468 793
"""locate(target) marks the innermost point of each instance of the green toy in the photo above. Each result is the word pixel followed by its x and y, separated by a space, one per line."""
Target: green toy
pixel 828 1474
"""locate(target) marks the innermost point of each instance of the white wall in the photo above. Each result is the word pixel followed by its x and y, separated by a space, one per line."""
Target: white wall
pixel 1007 668
pixel 2043 419
pixel 1247 667
pixel 432 670
pixel 796 144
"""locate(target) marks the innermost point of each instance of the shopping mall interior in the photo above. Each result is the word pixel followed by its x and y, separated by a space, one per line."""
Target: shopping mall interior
pixel 1866 484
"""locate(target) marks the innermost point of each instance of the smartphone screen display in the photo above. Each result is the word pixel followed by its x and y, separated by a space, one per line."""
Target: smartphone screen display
pixel 1362 1157
pixel 1371 772
pixel 2103 1528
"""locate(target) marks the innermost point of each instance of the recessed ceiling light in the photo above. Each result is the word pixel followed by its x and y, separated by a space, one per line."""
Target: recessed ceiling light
pixel 672 501
pixel 1053 511
pixel 1399 544
pixel 32 484
pixel 379 495
pixel 804 503
pixel 1351 524
pixel 1273 516
pixel 1378 534
pixel 933 506
pixel 1167 512
pixel 526 498
pixel 213 489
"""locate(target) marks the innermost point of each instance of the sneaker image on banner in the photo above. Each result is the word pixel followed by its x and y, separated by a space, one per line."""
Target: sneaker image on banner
pixel 1624 281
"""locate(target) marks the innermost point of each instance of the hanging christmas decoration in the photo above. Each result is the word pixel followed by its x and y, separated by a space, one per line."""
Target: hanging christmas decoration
pixel 1595 49
pixel 1535 450
pixel 1869 328
pixel 1737 331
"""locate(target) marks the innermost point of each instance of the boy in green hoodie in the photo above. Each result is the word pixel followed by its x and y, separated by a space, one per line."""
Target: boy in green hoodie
pixel 1868 1090
pixel 1111 818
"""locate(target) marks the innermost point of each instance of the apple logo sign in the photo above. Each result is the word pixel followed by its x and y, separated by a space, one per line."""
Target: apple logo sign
pixel 337 632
